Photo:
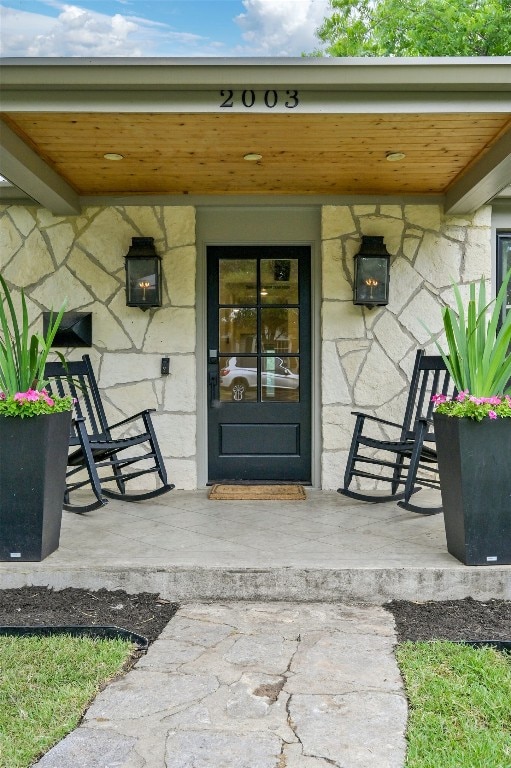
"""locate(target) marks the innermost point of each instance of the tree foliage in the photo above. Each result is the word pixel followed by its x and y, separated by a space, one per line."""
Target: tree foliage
pixel 417 28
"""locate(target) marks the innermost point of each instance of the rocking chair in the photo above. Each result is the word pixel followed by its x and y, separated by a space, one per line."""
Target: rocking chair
pixel 414 458
pixel 96 457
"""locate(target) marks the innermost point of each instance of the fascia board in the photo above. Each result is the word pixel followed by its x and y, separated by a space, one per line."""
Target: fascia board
pixel 418 74
pixel 311 101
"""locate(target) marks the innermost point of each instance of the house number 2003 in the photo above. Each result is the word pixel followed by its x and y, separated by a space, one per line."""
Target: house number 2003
pixel 270 99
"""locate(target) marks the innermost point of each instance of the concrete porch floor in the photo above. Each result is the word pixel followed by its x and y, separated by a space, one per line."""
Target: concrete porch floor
pixel 326 548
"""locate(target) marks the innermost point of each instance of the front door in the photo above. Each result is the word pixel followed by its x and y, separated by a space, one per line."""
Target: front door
pixel 259 363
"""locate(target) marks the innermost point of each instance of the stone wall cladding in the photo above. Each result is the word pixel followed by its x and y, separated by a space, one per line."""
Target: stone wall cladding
pixel 367 355
pixel 82 259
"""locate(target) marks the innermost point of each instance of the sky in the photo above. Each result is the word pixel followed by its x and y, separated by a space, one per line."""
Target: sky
pixel 159 27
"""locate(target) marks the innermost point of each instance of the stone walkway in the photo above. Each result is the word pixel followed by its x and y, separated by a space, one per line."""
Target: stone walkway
pixel 252 685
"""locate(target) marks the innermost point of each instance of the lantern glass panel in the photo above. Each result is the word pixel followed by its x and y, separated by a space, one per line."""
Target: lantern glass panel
pixel 372 279
pixel 143 283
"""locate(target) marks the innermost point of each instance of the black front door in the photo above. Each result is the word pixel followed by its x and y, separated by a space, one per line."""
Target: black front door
pixel 259 363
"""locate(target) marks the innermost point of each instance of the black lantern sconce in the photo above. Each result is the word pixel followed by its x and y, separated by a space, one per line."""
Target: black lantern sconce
pixel 372 270
pixel 143 274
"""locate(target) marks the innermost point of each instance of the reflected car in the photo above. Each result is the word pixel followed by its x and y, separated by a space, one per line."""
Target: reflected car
pixel 240 375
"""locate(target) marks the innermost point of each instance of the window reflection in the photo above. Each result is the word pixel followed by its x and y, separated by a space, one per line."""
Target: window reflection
pixel 238 378
pixel 279 281
pixel 503 265
pixel 237 329
pixel 238 281
pixel 279 330
pixel 258 330
pixel 280 379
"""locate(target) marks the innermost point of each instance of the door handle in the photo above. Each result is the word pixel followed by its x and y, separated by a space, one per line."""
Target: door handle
pixel 213 386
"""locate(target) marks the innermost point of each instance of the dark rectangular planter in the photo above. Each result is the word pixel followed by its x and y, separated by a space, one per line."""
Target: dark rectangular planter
pixel 474 460
pixel 33 460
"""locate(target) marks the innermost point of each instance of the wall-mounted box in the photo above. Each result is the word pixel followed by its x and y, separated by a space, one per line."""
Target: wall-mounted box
pixel 75 330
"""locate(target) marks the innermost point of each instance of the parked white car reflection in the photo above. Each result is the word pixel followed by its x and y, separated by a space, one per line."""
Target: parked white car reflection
pixel 239 376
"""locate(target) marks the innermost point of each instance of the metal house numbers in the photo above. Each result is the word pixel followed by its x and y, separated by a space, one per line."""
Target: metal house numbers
pixel 268 99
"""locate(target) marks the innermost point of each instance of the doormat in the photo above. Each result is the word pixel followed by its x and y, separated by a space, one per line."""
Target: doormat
pixel 257 493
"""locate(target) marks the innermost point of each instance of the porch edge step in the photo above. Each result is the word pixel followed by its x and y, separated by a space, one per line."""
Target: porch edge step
pixel 361 585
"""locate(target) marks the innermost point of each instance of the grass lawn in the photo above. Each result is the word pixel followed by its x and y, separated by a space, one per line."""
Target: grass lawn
pixel 46 683
pixel 459 705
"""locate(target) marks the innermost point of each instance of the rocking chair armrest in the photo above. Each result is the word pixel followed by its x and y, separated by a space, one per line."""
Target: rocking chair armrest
pixel 135 416
pixel 377 419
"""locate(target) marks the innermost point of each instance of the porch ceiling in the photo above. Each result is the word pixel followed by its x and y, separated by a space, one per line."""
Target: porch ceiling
pixel 176 139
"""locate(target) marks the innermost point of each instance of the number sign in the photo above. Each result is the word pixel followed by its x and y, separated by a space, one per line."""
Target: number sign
pixel 268 99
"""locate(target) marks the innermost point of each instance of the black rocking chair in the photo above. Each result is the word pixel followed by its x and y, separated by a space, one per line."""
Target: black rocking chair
pixel 96 457
pixel 414 457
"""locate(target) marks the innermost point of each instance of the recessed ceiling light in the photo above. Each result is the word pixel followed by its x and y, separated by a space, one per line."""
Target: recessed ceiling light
pixel 253 156
pixel 113 156
pixel 393 157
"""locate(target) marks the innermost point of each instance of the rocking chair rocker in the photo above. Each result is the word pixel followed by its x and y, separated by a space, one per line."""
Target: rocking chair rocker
pixel 98 457
pixel 413 451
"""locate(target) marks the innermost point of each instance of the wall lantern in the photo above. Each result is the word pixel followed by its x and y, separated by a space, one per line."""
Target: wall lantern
pixel 143 274
pixel 372 269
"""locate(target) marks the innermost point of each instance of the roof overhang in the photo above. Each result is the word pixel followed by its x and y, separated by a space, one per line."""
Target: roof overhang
pixel 323 126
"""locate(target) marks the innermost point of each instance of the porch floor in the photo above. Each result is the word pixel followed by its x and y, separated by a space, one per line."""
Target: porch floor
pixel 328 547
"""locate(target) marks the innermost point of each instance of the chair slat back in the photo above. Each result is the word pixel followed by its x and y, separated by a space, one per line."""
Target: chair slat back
pixel 78 380
pixel 430 377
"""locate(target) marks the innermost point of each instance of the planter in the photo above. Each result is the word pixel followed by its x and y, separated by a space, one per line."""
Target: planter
pixel 33 461
pixel 475 479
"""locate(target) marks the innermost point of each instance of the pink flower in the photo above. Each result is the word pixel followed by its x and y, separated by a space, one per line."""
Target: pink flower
pixel 2 395
pixel 462 395
pixel 494 400
pixel 438 399
pixel 492 415
pixel 33 395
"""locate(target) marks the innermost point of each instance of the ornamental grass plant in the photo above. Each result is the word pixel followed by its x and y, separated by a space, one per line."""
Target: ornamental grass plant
pixel 478 355
pixel 22 359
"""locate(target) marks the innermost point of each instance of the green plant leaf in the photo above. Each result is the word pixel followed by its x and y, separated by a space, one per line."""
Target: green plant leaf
pixel 478 353
pixel 22 356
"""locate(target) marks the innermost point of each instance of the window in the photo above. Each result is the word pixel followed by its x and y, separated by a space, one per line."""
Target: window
pixel 504 264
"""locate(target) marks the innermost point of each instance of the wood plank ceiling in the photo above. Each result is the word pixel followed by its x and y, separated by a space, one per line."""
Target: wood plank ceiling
pixel 301 154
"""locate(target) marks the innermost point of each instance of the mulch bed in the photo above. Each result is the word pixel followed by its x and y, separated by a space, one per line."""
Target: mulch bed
pixel 147 614
pixel 455 620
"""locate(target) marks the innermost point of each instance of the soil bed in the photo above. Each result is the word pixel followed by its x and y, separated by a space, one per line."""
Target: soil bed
pixel 147 614
pixel 144 613
pixel 465 619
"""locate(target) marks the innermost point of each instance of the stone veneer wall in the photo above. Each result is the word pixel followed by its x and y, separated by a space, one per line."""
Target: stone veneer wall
pixel 82 259
pixel 367 355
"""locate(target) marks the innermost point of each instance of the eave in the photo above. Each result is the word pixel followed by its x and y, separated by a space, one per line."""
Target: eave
pixel 466 104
